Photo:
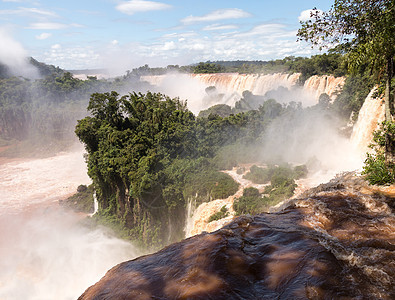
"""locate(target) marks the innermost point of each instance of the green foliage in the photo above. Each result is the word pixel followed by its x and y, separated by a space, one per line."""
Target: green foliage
pixel 251 192
pixel 82 201
pixel 148 154
pixel 364 30
pixel 209 185
pixel 282 186
pixel 223 213
pixel 300 171
pixel 259 175
pixel 221 110
pixel 207 67
pixel 275 174
pixel 376 169
pixel 250 203
pixel 353 95
pixel 325 64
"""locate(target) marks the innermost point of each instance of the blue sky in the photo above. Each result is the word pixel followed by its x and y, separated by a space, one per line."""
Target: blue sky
pixel 126 34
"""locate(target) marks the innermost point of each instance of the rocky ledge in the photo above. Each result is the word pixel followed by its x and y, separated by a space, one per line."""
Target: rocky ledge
pixel 337 242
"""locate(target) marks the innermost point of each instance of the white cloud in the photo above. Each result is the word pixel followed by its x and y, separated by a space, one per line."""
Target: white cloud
pixel 169 46
pixel 43 36
pixel 28 11
pixel 134 6
pixel 114 42
pixel 215 27
pixel 51 25
pixel 47 26
pixel 71 57
pixel 273 30
pixel 222 14
pixel 306 15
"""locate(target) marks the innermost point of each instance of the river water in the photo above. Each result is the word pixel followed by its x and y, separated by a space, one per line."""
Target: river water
pixel 45 251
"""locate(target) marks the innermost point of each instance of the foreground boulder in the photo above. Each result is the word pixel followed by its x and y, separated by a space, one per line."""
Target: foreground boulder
pixel 337 242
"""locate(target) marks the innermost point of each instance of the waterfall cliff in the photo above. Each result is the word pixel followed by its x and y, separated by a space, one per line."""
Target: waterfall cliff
pixel 317 85
pixel 258 84
pixel 369 118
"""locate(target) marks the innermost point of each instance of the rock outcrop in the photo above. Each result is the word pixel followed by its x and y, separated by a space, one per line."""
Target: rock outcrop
pixel 336 242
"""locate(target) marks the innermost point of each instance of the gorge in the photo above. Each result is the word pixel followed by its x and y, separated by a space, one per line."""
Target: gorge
pixel 334 241
pixel 311 245
pixel 228 255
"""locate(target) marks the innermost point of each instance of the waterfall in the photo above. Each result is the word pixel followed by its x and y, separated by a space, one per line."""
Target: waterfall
pixel 258 84
pixel 95 204
pixel 330 85
pixel 232 85
pixel 369 118
pixel 191 205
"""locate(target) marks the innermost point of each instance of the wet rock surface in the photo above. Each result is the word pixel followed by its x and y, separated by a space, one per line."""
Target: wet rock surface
pixel 337 242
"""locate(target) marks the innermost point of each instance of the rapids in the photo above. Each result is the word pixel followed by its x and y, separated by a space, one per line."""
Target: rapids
pixel 336 241
pixel 46 253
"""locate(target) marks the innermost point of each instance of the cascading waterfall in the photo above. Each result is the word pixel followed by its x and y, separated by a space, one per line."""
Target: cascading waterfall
pixel 369 118
pixel 95 204
pixel 330 85
pixel 234 84
pixel 191 206
pixel 256 83
pixel 259 84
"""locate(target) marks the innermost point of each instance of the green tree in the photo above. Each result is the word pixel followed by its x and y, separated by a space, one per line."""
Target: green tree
pixel 365 31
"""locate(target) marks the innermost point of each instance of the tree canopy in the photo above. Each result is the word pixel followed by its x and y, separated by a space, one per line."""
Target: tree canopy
pixel 364 30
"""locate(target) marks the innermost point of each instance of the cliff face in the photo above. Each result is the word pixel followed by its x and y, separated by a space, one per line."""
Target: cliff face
pixel 337 241
pixel 317 85
pixel 258 84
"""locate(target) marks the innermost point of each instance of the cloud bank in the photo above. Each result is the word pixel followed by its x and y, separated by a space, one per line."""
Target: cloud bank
pixel 134 6
pixel 217 15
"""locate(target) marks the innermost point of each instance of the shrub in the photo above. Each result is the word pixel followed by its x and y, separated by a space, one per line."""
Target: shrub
pixel 223 213
pixel 376 171
pixel 210 185
pixel 259 175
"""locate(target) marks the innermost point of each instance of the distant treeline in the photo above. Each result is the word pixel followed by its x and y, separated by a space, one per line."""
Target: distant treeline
pixel 46 110
pixel 331 64
pixel 49 106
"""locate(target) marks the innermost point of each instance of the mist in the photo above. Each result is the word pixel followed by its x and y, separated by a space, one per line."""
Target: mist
pixel 182 86
pixel 47 252
pixel 310 135
pixel 48 255
pixel 15 57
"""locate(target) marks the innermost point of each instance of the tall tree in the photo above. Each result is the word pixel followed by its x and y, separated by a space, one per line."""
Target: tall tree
pixel 366 31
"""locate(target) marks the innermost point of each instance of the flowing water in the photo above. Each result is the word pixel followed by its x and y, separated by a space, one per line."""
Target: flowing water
pixel 369 118
pixel 192 87
pixel 45 251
